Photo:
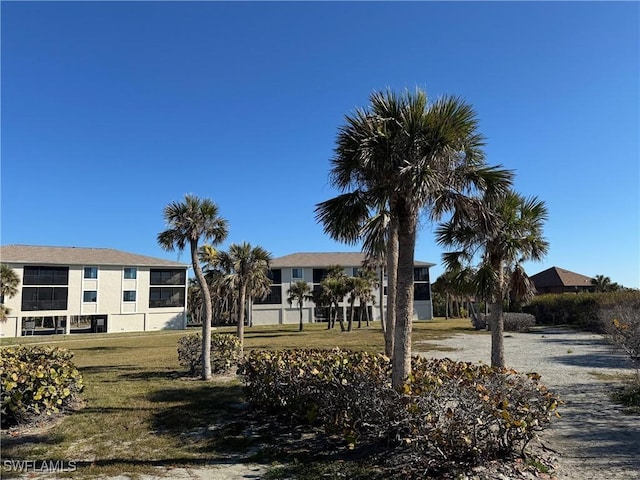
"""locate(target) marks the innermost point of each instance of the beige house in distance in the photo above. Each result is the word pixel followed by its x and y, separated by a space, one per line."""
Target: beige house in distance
pixel 90 290
pixel 312 268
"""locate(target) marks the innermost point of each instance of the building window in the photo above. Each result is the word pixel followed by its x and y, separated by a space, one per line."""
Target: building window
pixel 275 276
pixel 319 274
pixel 297 274
pixel 44 298
pixel 129 296
pixel 166 297
pixel 421 291
pixel 421 274
pixel 274 297
pixel 90 296
pixel 170 276
pixel 131 273
pixel 356 271
pixel 90 272
pixel 45 276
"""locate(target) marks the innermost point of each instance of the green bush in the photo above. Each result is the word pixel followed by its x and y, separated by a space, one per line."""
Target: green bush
pixel 581 310
pixel 225 352
pixel 37 381
pixel 447 411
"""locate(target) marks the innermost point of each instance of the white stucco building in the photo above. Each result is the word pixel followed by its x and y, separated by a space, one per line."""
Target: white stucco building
pixel 84 290
pixel 312 268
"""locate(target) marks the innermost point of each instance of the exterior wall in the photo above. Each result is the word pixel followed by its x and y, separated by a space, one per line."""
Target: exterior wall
pixel 10 327
pixel 422 310
pixel 126 323
pixel 122 316
pixel 266 316
pixel 292 315
pixel 166 320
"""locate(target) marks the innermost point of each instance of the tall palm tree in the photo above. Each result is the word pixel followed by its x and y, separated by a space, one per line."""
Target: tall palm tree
pixel 9 282
pixel 409 155
pixel 188 222
pixel 299 292
pixel 249 267
pixel 511 235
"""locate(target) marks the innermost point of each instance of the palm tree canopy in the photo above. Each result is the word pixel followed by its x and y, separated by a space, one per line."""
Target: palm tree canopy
pixel 299 292
pixel 512 235
pixel 9 281
pixel 191 220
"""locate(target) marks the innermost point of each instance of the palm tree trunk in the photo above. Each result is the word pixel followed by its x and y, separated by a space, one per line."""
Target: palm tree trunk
pixel 497 320
pixel 383 325
pixel 351 313
pixel 241 301
pixel 340 317
pixel 301 327
pixel 401 363
pixel 392 283
pixel 208 309
pixel 497 330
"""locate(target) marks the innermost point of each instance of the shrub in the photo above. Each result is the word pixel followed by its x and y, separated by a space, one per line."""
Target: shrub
pixel 37 381
pixel 513 322
pixel 447 411
pixel 581 310
pixel 622 324
pixel 225 352
pixel 516 322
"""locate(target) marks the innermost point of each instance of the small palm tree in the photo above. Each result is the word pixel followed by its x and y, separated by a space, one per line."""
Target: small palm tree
pixel 334 288
pixel 299 292
pixel 188 222
pixel 604 284
pixel 249 267
pixel 509 236
pixel 9 282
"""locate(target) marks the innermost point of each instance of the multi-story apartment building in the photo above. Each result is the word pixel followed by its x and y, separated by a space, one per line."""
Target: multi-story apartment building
pixel 312 268
pixel 77 290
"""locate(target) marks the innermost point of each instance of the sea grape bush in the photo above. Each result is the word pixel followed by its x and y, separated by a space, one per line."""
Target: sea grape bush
pixel 447 411
pixel 225 352
pixel 37 381
pixel 622 324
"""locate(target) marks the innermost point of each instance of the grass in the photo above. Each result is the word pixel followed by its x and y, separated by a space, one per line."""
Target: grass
pixel 627 390
pixel 142 411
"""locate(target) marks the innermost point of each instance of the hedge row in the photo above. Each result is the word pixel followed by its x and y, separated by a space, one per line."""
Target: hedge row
pixel 37 381
pixel 447 411
pixel 581 310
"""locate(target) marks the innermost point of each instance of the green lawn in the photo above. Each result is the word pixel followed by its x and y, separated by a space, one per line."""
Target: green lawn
pixel 142 411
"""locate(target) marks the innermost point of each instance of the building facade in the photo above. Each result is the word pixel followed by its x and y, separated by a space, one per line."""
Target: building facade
pixel 91 290
pixel 312 268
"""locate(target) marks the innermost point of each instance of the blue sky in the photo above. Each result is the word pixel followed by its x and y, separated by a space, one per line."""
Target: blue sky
pixel 111 110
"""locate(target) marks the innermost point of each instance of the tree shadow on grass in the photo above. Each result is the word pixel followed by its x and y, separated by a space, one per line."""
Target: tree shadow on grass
pixel 196 405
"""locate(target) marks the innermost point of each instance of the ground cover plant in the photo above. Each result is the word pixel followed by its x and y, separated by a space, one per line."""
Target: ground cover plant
pixel 137 393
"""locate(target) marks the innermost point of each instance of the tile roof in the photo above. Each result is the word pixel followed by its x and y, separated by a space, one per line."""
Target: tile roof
pixel 325 259
pixel 30 254
pixel 554 277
